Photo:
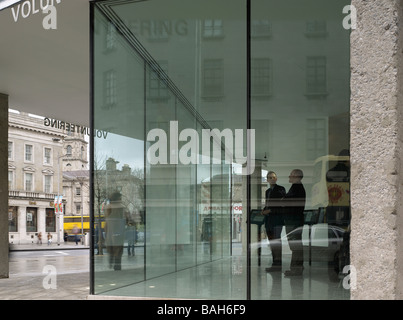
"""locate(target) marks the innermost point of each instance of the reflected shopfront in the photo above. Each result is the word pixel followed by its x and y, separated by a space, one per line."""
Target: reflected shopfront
pixel 200 101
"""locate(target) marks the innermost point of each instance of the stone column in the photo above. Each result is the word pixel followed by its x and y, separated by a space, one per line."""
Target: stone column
pixel 376 144
pixel 4 270
pixel 22 224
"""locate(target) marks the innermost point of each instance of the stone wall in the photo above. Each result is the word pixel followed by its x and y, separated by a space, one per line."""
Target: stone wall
pixel 376 120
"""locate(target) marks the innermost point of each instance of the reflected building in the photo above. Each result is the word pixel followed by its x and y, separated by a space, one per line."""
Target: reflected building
pixel 284 75
pixel 33 178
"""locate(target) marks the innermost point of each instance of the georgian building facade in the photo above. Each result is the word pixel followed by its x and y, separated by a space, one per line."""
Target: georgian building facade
pixel 33 178
pixel 43 162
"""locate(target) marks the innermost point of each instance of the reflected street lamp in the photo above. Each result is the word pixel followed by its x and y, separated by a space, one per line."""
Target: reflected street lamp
pixel 81 182
pixel 58 192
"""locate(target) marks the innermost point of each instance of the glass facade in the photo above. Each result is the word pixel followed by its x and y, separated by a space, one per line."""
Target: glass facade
pixel 198 107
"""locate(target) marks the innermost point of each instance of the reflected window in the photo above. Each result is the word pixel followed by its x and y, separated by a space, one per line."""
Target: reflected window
pixel 213 78
pixel 261 77
pixel 157 89
pixel 316 29
pixel 316 138
pixel 316 75
pixel 261 29
pixel 110 88
pixel 110 37
pixel 213 28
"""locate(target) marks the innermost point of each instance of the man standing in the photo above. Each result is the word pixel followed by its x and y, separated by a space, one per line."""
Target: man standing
pixel 274 219
pixel 294 203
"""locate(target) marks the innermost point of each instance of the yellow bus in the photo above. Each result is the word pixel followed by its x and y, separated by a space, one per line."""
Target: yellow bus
pixel 70 221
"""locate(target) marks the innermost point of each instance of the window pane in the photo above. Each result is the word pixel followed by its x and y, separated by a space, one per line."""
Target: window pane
pixel 48 184
pixel 32 220
pixel 28 152
pixel 28 182
pixel 311 79
pixel 13 219
pixel 168 84
pixel 178 71
pixel 47 156
pixel 50 220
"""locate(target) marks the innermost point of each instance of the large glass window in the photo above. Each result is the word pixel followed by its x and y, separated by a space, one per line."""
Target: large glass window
pixel 28 181
pixel 50 220
pixel 13 219
pixel 29 153
pixel 32 219
pixel 173 189
pixel 308 139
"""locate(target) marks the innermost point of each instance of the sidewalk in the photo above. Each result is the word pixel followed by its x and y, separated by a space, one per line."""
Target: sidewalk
pixel 28 278
pixel 45 246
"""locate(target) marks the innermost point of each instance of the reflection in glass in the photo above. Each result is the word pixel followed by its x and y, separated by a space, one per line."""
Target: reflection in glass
pixel 159 71
pixel 305 125
pixel 145 102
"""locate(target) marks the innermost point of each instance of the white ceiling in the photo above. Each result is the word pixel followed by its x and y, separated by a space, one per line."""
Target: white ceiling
pixel 46 72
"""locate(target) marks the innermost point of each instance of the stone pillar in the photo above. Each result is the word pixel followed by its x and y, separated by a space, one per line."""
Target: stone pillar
pixel 42 223
pixel 22 224
pixel 376 144
pixel 4 247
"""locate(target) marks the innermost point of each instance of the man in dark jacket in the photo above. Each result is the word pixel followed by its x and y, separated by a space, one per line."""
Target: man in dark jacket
pixel 274 219
pixel 294 203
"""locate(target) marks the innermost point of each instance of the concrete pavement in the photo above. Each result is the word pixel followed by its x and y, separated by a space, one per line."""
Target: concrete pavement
pixel 42 272
pixel 44 246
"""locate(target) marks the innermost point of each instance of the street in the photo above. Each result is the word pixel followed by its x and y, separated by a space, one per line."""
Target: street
pixel 47 275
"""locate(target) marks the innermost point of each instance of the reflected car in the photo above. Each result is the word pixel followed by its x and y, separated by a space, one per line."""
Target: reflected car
pixel 325 244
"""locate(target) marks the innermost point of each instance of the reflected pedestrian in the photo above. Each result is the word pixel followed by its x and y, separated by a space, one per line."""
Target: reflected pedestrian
pixel 75 232
pixel 49 239
pixel 274 219
pixel 131 238
pixel 294 203
pixel 115 230
pixel 40 238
